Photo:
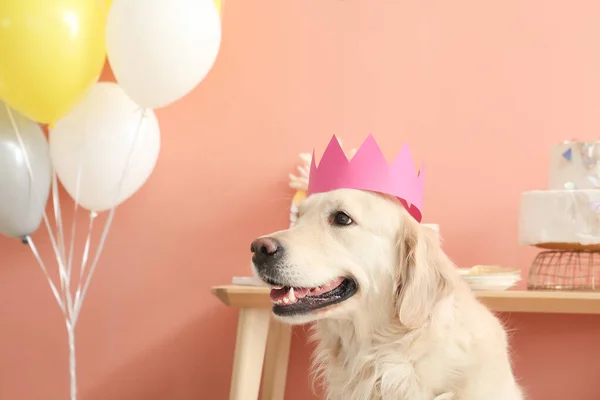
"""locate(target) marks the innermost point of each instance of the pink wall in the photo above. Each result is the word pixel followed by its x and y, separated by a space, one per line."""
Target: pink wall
pixel 479 89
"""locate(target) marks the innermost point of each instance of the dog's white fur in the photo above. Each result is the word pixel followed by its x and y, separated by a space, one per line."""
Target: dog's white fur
pixel 414 330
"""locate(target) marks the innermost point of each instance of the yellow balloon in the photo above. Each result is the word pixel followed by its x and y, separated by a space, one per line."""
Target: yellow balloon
pixel 106 4
pixel 51 52
pixel 219 5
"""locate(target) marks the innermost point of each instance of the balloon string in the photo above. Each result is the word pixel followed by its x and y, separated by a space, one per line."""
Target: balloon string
pixel 36 254
pixel 81 291
pixel 71 319
pixel 72 360
pixel 65 281
pixel 65 302
pixel 72 244
pixel 59 225
pixel 76 204
pixel 86 249
pixel 37 197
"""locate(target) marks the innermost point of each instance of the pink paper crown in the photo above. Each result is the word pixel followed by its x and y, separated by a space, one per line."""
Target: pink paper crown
pixel 368 170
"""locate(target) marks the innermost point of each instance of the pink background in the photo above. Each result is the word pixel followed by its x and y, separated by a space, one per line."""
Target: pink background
pixel 481 90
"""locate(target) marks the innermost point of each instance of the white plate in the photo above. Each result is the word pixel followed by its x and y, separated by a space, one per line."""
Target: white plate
pixel 490 277
pixel 484 287
pixel 493 284
pixel 247 281
pixel 489 271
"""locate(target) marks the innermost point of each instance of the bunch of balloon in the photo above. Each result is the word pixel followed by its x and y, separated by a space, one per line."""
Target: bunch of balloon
pixel 103 137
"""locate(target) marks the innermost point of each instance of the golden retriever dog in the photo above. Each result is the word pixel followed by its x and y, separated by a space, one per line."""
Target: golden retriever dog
pixel 392 318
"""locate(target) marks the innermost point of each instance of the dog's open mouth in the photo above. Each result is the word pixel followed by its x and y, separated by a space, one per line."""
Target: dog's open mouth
pixel 289 300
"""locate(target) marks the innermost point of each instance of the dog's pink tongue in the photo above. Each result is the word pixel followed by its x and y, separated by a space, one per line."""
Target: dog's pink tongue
pixel 301 292
pixel 326 288
pixel 279 294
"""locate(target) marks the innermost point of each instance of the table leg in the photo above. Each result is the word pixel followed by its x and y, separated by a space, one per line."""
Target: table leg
pixel 251 341
pixel 276 361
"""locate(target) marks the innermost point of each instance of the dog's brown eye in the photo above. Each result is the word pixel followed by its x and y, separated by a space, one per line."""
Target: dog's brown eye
pixel 341 218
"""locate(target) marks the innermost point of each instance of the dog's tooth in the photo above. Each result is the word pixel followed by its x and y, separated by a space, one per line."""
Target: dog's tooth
pixel 292 296
pixel 286 300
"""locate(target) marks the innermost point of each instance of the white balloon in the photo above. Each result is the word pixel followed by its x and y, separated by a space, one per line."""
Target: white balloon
pixel 106 148
pixel 160 50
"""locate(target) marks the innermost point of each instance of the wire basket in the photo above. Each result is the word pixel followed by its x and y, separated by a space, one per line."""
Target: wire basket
pixel 575 270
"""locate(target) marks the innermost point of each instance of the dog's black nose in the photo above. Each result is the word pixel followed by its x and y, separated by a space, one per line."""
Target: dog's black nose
pixel 267 252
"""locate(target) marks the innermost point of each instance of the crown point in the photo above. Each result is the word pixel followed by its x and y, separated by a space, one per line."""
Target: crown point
pixel 313 161
pixel 370 138
pixel 333 155
pixel 368 155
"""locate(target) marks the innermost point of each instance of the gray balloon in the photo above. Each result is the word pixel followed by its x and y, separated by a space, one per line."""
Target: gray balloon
pixel 23 197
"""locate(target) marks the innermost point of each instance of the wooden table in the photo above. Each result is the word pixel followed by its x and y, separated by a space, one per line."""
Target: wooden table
pixel 263 342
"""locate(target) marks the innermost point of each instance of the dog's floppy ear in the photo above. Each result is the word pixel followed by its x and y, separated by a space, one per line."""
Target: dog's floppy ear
pixel 423 275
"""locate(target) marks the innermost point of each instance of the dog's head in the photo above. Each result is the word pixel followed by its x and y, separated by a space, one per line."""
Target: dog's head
pixel 352 251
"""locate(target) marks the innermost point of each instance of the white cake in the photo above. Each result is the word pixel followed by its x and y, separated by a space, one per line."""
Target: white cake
pixel 560 219
pixel 568 215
